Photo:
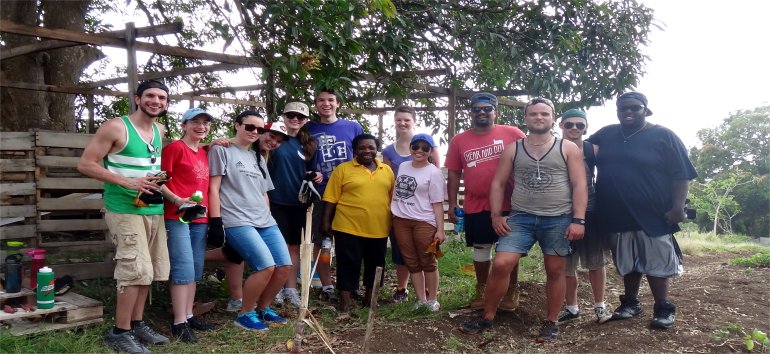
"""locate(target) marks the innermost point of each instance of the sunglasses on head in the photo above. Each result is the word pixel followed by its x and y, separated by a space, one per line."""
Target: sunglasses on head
pixel 632 108
pixel 486 109
pixel 424 148
pixel 250 127
pixel 570 125
pixel 296 116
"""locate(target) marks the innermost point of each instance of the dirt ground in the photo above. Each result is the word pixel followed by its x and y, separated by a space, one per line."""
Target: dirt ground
pixel 710 295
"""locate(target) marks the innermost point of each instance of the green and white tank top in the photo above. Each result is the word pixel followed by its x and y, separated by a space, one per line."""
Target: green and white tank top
pixel 135 159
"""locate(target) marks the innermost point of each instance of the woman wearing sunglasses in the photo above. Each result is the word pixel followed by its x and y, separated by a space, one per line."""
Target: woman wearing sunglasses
pixel 393 155
pixel 358 199
pixel 293 160
pixel 418 218
pixel 239 213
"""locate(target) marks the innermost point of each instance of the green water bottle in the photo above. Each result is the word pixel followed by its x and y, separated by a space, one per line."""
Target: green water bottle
pixel 45 288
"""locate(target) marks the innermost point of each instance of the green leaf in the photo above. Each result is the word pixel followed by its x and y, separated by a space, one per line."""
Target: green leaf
pixel 749 343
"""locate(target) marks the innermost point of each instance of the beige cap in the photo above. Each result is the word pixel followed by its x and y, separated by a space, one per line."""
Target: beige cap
pixel 297 107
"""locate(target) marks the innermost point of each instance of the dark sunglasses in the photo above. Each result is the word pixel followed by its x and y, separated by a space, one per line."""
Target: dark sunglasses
pixel 296 116
pixel 632 108
pixel 424 148
pixel 153 157
pixel 250 127
pixel 570 125
pixel 486 109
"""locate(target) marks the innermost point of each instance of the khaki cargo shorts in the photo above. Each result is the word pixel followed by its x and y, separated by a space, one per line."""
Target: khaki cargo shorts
pixel 141 251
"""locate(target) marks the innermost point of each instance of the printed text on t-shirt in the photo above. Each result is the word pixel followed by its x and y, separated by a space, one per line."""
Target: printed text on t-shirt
pixel 484 153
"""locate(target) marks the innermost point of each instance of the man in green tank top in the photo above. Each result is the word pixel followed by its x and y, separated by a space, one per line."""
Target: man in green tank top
pixel 124 154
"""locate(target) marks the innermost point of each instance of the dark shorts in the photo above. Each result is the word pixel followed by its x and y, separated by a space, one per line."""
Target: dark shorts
pixel 478 229
pixel 291 220
pixel 318 213
pixel 395 251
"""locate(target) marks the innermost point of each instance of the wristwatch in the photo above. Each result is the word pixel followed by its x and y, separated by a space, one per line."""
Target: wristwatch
pixel 578 221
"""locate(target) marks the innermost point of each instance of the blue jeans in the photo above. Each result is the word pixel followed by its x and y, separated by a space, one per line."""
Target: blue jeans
pixel 260 247
pixel 186 247
pixel 526 229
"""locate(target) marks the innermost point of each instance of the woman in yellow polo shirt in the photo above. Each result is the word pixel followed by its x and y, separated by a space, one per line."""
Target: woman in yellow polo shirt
pixel 358 195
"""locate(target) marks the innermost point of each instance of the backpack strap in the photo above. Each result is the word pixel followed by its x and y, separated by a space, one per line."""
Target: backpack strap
pixel 589 156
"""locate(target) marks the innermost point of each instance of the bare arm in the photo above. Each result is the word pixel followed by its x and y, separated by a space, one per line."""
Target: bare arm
pixel 438 213
pixel 214 201
pixel 436 158
pixel 497 190
pixel 90 163
pixel 577 178
pixel 679 188
pixel 453 187
pixel 326 222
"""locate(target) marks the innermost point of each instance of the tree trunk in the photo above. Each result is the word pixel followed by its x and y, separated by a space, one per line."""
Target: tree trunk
pixel 23 109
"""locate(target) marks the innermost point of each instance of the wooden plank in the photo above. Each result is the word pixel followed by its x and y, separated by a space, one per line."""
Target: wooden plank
pixel 69 183
pixel 164 74
pixel 71 225
pixel 57 307
pixel 50 204
pixel 16 141
pixel 9 189
pixel 57 161
pixel 17 165
pixel 83 271
pixel 23 293
pixel 19 329
pixel 24 211
pixel 55 139
pixel 18 232
pixel 98 245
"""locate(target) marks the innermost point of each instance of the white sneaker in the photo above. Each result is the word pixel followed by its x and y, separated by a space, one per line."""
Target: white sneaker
pixel 291 296
pixel 433 305
pixel 278 301
pixel 602 315
pixel 234 305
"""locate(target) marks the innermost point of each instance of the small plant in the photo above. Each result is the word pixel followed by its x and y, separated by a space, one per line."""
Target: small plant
pixel 756 339
pixel 756 260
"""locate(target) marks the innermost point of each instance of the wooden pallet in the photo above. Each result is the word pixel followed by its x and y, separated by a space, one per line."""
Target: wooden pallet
pixel 69 310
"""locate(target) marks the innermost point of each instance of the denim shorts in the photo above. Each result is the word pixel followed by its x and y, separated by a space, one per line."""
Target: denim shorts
pixel 186 247
pixel 526 229
pixel 261 247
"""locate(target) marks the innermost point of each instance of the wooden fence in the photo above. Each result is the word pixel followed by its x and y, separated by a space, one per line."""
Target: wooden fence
pixel 48 204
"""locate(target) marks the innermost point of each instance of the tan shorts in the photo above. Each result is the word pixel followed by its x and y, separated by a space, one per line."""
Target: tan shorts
pixel 141 251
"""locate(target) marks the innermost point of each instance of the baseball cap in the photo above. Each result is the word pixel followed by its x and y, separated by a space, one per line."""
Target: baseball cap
pixel 574 112
pixel 424 137
pixel 150 84
pixel 484 97
pixel 297 107
pixel 275 127
pixel 637 96
pixel 194 112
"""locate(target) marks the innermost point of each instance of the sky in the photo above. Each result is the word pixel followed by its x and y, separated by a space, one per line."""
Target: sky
pixel 710 60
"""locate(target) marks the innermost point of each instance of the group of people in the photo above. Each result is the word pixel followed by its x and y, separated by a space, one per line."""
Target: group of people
pixel 242 198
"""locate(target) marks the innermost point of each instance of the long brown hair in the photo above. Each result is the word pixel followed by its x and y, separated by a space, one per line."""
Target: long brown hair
pixel 309 145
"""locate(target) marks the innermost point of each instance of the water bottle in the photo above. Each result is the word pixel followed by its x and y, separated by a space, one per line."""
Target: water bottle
pixel 38 260
pixel 13 273
pixel 196 197
pixel 460 223
pixel 326 251
pixel 45 288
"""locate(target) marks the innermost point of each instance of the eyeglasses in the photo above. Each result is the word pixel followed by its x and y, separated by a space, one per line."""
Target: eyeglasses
pixel 486 109
pixel 424 148
pixel 250 127
pixel 296 116
pixel 570 125
pixel 153 157
pixel 632 108
pixel 196 123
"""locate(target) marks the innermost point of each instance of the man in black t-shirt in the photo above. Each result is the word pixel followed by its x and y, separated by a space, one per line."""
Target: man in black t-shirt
pixel 641 187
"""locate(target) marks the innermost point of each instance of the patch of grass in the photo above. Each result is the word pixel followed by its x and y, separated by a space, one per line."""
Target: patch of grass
pixel 699 243
pixel 757 260
pixel 454 344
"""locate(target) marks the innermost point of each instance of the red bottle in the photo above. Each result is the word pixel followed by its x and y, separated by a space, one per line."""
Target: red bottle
pixel 38 261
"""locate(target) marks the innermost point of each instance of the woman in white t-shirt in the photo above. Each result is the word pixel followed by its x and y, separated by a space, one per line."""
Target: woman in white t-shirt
pixel 418 218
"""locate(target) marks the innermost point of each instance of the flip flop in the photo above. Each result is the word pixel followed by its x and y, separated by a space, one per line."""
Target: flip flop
pixel 63 285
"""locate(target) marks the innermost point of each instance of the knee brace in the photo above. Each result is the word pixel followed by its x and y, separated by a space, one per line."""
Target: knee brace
pixel 482 253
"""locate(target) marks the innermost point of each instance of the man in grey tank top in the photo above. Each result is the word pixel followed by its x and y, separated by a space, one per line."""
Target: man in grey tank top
pixel 548 206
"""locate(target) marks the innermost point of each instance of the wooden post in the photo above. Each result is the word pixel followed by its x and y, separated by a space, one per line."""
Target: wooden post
pixel 380 127
pixel 451 114
pixel 131 68
pixel 90 107
pixel 372 308
pixel 305 255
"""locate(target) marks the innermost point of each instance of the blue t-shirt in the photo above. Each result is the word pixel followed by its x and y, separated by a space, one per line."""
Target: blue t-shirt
pixel 395 159
pixel 335 145
pixel 287 163
pixel 633 185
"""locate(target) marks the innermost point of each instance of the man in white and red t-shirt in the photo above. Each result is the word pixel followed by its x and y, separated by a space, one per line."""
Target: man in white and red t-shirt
pixel 473 156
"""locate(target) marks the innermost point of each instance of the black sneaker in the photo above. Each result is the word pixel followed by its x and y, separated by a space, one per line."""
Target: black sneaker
pixel 197 323
pixel 148 335
pixel 477 326
pixel 549 331
pixel 124 343
pixel 629 307
pixel 566 316
pixel 184 333
pixel 329 295
pixel 664 315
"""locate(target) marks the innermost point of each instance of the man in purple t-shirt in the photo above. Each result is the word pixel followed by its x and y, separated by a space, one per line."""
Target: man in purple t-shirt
pixel 335 137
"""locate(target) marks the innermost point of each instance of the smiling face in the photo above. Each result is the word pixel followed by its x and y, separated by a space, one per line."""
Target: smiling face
pixel 326 104
pixel 270 141
pixel 539 118
pixel 631 113
pixel 197 128
pixel 483 115
pixel 404 122
pixel 153 102
pixel 420 151
pixel 366 151
pixel 578 127
pixel 294 121
pixel 243 135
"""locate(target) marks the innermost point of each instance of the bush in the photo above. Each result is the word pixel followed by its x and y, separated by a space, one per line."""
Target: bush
pixel 757 260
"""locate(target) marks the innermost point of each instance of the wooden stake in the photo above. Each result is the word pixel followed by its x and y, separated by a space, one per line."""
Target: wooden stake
pixel 306 276
pixel 372 308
